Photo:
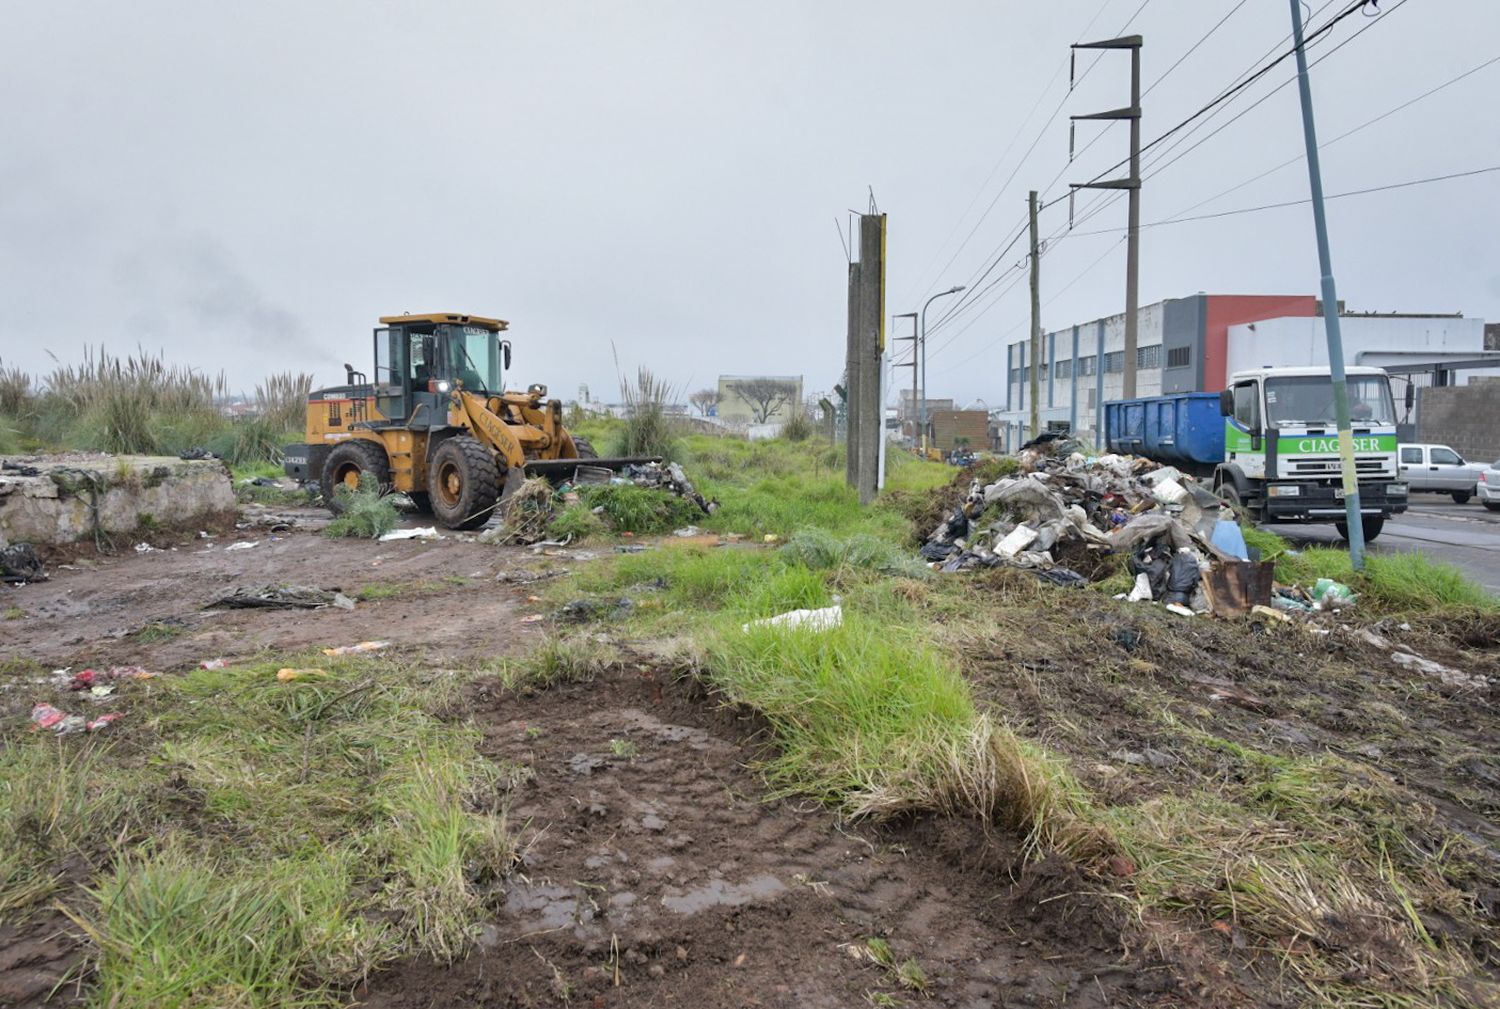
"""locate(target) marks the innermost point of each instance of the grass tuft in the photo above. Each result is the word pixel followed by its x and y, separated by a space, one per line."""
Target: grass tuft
pixel 872 721
pixel 364 513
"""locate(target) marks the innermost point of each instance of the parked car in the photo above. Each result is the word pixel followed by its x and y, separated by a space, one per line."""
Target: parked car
pixel 1438 469
pixel 1489 486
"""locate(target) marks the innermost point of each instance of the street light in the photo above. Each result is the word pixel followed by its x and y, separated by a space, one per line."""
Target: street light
pixel 923 411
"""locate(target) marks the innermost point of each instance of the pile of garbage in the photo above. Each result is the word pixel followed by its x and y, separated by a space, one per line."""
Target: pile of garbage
pixel 656 476
pixel 1062 510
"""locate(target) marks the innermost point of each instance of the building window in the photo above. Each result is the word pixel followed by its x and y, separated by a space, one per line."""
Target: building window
pixel 1041 375
pixel 1064 369
pixel 1148 357
pixel 1179 357
pixel 1114 362
pixel 1086 365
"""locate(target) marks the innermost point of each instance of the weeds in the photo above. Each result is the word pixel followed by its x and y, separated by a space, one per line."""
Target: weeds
pixel 559 660
pixel 576 523
pixel 821 551
pixel 627 508
pixel 799 427
pixel 647 430
pixel 364 513
pixel 871 720
pixel 15 390
pixel 144 404
pixel 271 842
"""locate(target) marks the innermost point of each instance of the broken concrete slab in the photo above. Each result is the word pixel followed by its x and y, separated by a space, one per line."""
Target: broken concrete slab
pixel 61 499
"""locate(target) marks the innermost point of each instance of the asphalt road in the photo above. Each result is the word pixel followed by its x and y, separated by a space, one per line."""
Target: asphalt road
pixel 1465 535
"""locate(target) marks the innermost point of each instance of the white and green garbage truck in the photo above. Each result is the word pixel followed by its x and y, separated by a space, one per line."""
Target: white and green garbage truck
pixel 1269 443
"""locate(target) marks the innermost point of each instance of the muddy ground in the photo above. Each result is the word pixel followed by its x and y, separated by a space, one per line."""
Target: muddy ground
pixel 656 873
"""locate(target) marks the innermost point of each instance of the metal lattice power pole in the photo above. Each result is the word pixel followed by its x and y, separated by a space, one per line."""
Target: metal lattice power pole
pixel 1133 185
pixel 912 364
pixel 1036 323
pixel 1330 306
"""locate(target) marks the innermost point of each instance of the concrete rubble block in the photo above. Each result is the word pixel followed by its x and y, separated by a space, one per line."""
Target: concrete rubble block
pixel 56 500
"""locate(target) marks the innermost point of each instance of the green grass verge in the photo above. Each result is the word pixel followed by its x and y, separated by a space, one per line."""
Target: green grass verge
pixel 263 843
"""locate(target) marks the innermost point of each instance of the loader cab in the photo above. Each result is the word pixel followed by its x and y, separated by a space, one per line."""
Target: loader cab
pixel 419 359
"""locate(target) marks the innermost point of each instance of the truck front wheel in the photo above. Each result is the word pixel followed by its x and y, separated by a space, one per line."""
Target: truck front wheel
pixel 1372 526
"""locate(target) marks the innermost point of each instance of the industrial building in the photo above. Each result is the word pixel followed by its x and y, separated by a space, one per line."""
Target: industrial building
pixel 1194 344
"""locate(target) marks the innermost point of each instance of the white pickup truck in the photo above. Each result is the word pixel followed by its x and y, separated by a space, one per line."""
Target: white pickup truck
pixel 1438 469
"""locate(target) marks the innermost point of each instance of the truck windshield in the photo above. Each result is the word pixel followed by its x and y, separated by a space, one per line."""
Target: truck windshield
pixel 476 360
pixel 1308 399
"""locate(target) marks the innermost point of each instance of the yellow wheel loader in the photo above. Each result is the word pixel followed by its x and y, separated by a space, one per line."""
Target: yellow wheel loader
pixel 433 422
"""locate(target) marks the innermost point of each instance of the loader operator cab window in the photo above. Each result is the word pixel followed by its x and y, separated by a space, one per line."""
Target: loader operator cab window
pixel 419 354
pixel 475 357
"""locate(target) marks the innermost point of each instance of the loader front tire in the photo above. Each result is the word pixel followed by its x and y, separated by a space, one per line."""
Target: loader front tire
pixel 585 448
pixel 350 464
pixel 463 483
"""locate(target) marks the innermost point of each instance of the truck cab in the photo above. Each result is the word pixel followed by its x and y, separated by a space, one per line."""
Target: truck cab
pixel 1281 452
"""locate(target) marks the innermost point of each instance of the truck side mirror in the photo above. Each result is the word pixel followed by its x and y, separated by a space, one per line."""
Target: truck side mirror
pixel 1411 396
pixel 505 354
pixel 1226 403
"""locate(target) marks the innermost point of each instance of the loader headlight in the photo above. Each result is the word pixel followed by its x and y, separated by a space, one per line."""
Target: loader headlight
pixel 444 385
pixel 536 389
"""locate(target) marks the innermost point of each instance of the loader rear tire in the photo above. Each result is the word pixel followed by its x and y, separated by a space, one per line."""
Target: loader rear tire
pixel 351 464
pixel 463 483
pixel 585 448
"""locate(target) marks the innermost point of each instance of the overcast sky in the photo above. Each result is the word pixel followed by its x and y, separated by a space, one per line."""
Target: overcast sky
pixel 248 186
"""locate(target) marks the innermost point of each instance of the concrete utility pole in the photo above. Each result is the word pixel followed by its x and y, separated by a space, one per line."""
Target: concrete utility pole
pixel 852 375
pixel 935 297
pixel 1330 306
pixel 1036 322
pixel 1133 185
pixel 865 358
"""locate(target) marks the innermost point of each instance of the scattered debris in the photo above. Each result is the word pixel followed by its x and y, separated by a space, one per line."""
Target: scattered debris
pixel 214 664
pixel 812 620
pixel 420 533
pixel 45 716
pixel 527 576
pixel 287 675
pixel 18 468
pixel 528 513
pixel 146 548
pixel 1446 675
pixel 687 531
pixel 243 545
pixel 584 610
pixel 20 564
pixel 363 648
pixel 94 679
pixel 285 597
pixel 670 478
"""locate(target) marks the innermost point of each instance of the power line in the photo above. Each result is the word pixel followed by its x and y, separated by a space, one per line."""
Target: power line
pixel 1235 87
pixel 1083 273
pixel 973 283
pixel 926 285
pixel 1194 47
pixel 1158 164
pixel 1231 92
pixel 1299 203
pixel 1349 133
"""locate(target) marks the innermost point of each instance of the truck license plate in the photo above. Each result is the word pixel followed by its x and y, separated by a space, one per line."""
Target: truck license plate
pixel 1338 493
